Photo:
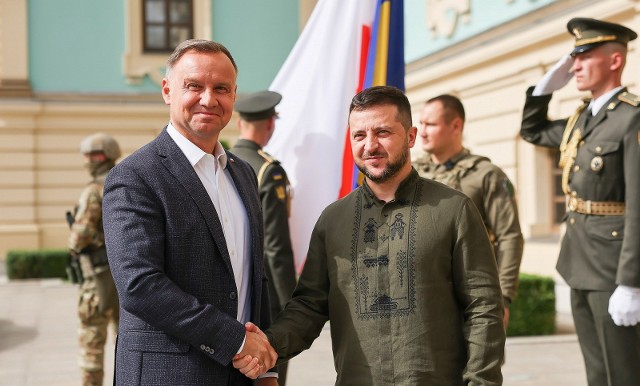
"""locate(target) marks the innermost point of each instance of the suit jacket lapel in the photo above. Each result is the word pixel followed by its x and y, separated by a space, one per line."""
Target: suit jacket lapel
pixel 178 165
pixel 252 207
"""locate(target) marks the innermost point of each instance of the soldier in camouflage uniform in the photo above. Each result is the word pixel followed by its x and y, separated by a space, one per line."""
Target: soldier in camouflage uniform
pixel 442 121
pixel 257 123
pixel 600 155
pixel 98 302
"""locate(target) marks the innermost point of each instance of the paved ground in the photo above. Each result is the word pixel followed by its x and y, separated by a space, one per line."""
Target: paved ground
pixel 38 345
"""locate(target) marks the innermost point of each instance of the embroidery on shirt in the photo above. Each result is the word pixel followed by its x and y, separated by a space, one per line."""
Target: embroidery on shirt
pixel 382 259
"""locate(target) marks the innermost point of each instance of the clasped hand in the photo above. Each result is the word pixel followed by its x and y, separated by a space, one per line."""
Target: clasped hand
pixel 624 306
pixel 257 355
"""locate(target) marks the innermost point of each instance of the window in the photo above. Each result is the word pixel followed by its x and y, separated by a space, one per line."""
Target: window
pixel 166 24
pixel 138 62
pixel 559 203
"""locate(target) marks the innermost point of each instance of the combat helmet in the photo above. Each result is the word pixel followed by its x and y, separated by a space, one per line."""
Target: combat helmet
pixel 101 142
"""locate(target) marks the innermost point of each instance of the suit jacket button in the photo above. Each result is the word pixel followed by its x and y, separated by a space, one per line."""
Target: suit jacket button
pixel 232 296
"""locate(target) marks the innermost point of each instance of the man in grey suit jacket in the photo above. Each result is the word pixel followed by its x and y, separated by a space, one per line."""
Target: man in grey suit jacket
pixel 184 237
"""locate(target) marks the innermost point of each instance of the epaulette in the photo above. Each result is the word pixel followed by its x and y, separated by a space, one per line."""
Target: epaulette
pixel 267 157
pixel 629 98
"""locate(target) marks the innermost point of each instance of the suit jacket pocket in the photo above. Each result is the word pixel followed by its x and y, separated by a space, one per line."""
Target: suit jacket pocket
pixel 154 341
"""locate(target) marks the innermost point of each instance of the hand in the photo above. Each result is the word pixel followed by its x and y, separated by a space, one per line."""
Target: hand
pixel 257 355
pixel 505 318
pixel 556 78
pixel 624 306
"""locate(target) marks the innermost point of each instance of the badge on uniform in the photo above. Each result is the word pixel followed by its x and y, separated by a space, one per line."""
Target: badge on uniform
pixel 597 163
pixel 280 191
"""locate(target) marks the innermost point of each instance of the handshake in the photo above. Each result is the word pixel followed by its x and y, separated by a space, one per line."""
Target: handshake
pixel 257 356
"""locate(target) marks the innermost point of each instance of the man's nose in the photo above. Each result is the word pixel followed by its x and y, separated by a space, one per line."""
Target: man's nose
pixel 208 98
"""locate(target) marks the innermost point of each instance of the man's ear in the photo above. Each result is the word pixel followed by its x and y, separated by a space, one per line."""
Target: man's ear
pixel 166 92
pixel 616 61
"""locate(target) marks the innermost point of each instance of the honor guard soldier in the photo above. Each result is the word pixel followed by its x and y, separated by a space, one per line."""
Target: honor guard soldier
pixel 98 304
pixel 445 160
pixel 600 155
pixel 257 123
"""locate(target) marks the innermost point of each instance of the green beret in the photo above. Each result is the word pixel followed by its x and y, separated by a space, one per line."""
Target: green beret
pixel 590 33
pixel 258 106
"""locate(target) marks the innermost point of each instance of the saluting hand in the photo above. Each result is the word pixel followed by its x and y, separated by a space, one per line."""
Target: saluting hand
pixel 556 78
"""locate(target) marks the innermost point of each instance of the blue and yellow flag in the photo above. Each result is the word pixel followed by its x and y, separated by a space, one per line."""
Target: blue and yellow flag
pixel 381 64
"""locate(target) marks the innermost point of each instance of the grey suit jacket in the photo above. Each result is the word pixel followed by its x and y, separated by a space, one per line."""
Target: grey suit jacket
pixel 173 272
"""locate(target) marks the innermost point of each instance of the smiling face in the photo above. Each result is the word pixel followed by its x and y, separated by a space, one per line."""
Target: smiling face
pixel 200 90
pixel 380 144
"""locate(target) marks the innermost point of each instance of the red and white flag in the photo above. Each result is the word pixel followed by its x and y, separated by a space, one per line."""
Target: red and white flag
pixel 325 69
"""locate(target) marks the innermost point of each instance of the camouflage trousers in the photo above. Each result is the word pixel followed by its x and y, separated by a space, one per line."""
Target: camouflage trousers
pixel 97 307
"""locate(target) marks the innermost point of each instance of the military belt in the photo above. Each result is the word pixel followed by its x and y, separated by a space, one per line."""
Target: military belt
pixel 602 208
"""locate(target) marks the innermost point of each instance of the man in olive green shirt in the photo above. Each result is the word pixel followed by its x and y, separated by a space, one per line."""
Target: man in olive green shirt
pixel 445 160
pixel 401 267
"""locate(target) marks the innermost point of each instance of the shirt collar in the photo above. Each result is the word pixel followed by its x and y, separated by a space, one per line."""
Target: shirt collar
pixel 193 153
pixel 403 192
pixel 596 104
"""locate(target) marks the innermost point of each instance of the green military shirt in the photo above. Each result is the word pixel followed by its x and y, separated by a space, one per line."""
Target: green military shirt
pixel 273 187
pixel 493 194
pixel 598 251
pixel 410 288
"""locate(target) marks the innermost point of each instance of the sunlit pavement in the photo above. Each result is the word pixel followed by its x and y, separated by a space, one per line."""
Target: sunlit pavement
pixel 38 345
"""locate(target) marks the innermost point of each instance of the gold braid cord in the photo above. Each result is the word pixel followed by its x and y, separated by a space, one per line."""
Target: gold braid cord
pixel 569 148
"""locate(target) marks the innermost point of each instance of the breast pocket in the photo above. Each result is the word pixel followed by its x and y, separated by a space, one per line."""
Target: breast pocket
pixel 602 168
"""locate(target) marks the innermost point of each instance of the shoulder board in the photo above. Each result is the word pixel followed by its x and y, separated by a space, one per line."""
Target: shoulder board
pixel 629 98
pixel 266 156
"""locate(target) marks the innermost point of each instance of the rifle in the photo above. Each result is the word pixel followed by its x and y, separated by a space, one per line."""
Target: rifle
pixel 74 272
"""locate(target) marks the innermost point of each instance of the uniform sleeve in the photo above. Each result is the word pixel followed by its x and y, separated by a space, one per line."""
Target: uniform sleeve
pixel 477 287
pixel 301 322
pixel 629 264
pixel 86 230
pixel 536 127
pixel 278 252
pixel 502 215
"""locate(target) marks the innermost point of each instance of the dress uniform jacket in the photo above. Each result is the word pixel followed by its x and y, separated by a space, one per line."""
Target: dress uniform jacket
pixel 598 251
pixel 274 197
pixel 410 288
pixel 172 269
pixel 493 194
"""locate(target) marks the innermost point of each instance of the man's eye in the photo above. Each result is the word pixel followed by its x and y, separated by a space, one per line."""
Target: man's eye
pixel 193 86
pixel 222 89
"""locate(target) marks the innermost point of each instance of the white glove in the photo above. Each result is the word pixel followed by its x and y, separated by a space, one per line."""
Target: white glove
pixel 556 78
pixel 624 306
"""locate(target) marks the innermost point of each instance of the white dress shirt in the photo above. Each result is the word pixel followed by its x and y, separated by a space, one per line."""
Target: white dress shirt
pixel 212 170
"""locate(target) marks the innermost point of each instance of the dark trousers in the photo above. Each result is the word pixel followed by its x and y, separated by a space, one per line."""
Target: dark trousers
pixel 611 353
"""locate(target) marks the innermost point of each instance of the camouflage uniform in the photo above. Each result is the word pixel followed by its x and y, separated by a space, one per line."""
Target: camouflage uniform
pixel 98 299
pixel 493 194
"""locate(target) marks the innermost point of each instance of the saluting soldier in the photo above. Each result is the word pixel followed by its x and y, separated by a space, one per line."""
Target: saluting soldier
pixel 446 160
pixel 600 155
pixel 257 124
pixel 98 304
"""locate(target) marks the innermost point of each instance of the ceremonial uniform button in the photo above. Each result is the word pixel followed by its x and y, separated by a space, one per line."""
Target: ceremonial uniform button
pixel 572 221
pixel 598 149
pixel 614 234
pixel 576 168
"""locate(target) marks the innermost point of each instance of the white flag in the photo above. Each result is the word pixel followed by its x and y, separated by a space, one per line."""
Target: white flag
pixel 317 82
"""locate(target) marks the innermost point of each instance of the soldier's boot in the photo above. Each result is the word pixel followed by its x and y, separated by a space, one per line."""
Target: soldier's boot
pixel 92 378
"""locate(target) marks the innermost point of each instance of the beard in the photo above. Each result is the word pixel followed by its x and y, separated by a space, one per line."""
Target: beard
pixel 392 168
